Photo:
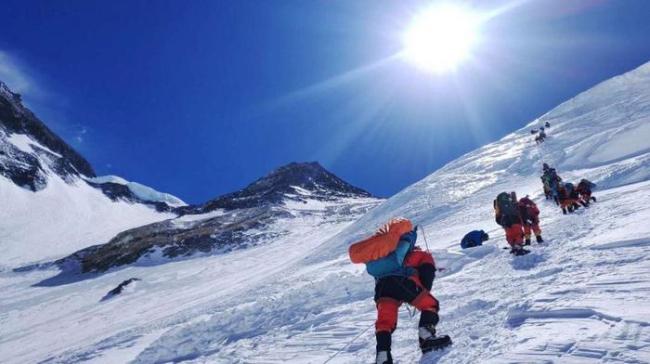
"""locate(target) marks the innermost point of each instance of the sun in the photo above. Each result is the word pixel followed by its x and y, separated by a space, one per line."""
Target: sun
pixel 441 37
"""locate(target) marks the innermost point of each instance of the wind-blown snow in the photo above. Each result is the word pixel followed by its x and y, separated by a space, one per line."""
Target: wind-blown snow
pixel 143 192
pixel 580 298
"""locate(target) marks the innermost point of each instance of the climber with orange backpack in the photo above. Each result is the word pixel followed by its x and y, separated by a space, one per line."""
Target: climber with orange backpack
pixel 506 213
pixel 403 273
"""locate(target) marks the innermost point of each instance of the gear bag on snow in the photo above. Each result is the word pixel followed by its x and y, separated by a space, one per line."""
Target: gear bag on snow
pixel 384 252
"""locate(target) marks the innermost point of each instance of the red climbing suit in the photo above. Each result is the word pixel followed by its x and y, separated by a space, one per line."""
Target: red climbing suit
pixel 529 216
pixel 391 292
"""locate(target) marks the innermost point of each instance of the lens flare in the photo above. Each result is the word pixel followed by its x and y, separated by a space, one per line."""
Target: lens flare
pixel 441 37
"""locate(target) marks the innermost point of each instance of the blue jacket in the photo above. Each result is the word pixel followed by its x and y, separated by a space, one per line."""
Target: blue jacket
pixel 472 239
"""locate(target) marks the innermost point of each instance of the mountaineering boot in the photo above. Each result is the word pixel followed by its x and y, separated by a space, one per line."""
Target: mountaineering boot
pixel 527 242
pixel 383 347
pixel 384 357
pixel 429 341
pixel 518 250
pixel 539 238
pixel 593 198
pixel 564 210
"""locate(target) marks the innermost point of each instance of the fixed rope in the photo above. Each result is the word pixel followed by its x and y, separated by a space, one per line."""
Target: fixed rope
pixel 348 344
pixel 424 235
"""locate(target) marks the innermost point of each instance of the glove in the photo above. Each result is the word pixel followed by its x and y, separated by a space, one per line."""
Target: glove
pixel 411 236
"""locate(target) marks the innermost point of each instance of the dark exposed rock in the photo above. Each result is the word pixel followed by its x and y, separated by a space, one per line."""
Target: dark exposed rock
pixel 16 118
pixel 23 169
pixel 222 233
pixel 117 290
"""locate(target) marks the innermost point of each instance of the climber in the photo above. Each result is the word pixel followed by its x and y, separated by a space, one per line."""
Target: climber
pixel 474 238
pixel 506 213
pixel 541 137
pixel 584 192
pixel 553 180
pixel 568 198
pixel 530 218
pixel 403 273
pixel 546 182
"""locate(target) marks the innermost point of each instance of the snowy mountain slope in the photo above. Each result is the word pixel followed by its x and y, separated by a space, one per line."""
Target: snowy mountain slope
pixel 168 293
pixel 579 298
pixel 50 202
pixel 60 219
pixel 26 144
pixel 262 212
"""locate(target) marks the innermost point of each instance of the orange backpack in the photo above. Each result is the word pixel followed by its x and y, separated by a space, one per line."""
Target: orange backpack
pixel 382 243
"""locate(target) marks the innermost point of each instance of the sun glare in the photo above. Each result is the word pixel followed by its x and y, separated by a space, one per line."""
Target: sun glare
pixel 440 38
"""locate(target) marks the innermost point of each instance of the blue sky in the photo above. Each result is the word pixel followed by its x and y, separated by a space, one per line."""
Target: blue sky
pixel 199 98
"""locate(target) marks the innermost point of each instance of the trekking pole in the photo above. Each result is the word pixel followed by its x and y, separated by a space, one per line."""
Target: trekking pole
pixel 424 235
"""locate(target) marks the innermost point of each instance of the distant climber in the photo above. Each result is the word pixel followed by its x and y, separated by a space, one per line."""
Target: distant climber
pixel 584 192
pixel 547 124
pixel 506 211
pixel 548 193
pixel 551 181
pixel 403 273
pixel 474 238
pixel 541 137
pixel 533 131
pixel 530 218
pixel 568 197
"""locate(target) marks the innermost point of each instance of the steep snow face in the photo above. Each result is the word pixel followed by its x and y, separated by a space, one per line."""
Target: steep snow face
pixel 141 191
pixel 61 218
pixel 580 298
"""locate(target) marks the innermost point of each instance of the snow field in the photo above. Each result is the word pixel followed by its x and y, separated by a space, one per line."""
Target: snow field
pixel 581 297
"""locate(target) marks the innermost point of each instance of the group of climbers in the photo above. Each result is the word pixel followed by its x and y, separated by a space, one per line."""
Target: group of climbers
pixel 541 133
pixel 404 273
pixel 565 194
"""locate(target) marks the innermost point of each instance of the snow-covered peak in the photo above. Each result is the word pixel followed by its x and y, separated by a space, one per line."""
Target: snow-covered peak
pixel 294 181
